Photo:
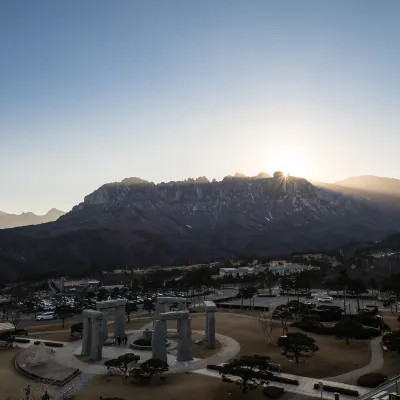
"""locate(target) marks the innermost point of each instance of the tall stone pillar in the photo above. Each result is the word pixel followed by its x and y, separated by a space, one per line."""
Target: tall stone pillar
pixel 86 334
pixel 97 337
pixel 185 345
pixel 211 329
pixel 210 309
pixel 160 308
pixel 119 322
pixel 159 340
pixel 105 328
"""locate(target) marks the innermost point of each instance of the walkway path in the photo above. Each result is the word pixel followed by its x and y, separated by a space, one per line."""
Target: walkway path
pixel 305 387
pixel 375 363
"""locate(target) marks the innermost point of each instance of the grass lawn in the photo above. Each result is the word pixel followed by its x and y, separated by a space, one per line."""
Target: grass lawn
pixel 12 383
pixel 178 386
pixel 334 356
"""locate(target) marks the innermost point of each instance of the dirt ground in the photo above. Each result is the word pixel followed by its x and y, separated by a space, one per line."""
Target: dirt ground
pixel 57 336
pixel 11 382
pixel 133 325
pixel 49 327
pixel 391 321
pixel 333 355
pixel 391 364
pixel 201 350
pixel 178 386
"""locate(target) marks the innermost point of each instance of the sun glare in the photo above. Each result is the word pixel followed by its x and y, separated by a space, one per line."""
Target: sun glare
pixel 290 164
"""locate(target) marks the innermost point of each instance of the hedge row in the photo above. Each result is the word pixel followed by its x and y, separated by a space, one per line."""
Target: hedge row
pixel 271 377
pixel 340 390
pixel 281 379
pixel 239 307
pixel 49 344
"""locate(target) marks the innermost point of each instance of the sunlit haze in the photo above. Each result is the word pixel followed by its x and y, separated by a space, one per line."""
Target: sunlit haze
pixel 95 91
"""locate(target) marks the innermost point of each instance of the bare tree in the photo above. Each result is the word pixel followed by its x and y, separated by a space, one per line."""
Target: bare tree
pixel 16 319
pixel 267 325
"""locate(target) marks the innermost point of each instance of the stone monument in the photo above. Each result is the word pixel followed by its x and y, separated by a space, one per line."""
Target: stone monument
pixel 41 355
pixel 118 307
pixel 92 337
pixel 210 308
pixel 184 329
pixel 163 301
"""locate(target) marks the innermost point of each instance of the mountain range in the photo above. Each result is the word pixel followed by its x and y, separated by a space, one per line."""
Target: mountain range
pixel 28 218
pixel 138 223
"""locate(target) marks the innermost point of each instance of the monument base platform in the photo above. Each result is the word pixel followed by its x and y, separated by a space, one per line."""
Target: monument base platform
pixel 50 372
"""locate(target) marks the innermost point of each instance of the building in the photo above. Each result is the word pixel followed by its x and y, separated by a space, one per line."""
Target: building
pixel 241 271
pixel 65 285
pixel 288 269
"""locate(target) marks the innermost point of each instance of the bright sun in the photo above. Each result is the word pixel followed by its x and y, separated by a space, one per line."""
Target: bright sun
pixel 290 163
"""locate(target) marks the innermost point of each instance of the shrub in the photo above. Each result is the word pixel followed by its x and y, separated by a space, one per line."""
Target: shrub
pixel 214 367
pixel 49 344
pixel 21 340
pixel 142 342
pixel 340 390
pixel 273 392
pixel 371 380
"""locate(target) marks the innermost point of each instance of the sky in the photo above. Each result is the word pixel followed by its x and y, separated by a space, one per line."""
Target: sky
pixel 96 91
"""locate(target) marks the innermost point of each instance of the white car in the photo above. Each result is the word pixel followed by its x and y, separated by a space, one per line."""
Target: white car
pixel 46 315
pixel 325 299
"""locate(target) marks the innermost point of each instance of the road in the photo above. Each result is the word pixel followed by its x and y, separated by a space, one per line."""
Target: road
pixel 382 393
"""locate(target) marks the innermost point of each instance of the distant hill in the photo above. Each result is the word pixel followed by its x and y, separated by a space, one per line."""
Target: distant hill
pixel 371 183
pixel 28 218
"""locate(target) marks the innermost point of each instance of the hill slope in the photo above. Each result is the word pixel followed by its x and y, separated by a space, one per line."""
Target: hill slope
pixel 371 183
pixel 14 220
pixel 138 223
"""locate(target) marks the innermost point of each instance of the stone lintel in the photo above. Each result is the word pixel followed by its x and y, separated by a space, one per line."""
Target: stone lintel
pixel 163 300
pixel 100 305
pixel 210 306
pixel 92 314
pixel 174 315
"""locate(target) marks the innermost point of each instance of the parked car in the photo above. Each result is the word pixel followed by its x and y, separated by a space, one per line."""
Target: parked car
pixel 46 315
pixel 325 299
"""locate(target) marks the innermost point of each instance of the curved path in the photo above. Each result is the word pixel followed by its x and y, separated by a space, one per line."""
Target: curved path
pixel 65 356
pixel 375 363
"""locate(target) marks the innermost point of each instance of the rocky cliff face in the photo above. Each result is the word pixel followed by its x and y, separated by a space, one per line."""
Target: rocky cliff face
pixel 138 223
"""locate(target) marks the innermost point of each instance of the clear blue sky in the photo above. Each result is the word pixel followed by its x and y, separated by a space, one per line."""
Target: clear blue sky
pixel 94 91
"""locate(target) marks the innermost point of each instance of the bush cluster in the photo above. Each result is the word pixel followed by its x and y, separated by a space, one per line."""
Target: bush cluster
pixel 371 380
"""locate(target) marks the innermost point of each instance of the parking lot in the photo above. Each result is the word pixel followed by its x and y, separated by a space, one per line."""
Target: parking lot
pixel 273 302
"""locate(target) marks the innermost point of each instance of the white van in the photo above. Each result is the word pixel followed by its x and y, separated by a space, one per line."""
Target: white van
pixel 46 315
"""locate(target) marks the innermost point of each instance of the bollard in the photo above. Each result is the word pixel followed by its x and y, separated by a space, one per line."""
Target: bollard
pixel 336 396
